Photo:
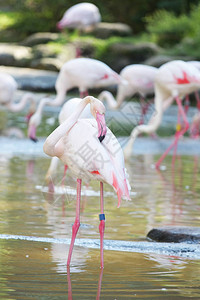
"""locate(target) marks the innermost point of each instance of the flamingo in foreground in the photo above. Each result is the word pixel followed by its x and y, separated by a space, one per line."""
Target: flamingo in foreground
pixel 91 151
pixel 139 79
pixel 83 73
pixel 174 80
pixel 8 87
pixel 82 15
pixel 68 108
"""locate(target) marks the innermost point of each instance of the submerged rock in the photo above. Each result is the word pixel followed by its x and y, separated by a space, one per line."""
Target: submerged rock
pixel 175 234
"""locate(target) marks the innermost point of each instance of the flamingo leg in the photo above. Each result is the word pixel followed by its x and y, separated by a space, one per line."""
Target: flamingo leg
pixel 178 128
pixel 99 284
pixel 83 94
pixel 76 225
pixel 64 175
pixel 69 284
pixel 198 100
pixel 178 134
pixel 187 104
pixel 102 224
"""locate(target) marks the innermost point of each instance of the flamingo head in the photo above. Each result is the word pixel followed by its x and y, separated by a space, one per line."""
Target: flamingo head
pixel 98 111
pixel 33 123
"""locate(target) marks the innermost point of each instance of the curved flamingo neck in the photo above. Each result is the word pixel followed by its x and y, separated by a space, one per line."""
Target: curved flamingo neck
pixel 51 141
pixel 16 107
pixel 108 97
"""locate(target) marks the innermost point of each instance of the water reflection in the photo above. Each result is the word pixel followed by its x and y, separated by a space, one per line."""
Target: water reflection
pixel 39 270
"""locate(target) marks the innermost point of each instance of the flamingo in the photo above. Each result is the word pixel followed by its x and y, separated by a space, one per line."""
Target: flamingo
pixel 139 79
pixel 82 15
pixel 174 80
pixel 68 108
pixel 8 87
pixel 197 65
pixel 83 73
pixel 91 151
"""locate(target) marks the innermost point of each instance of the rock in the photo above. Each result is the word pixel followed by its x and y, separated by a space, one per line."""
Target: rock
pixel 159 60
pixel 175 234
pixel 51 64
pixel 14 55
pixel 48 57
pixel 105 30
pixel 40 38
pixel 120 55
pixel 31 79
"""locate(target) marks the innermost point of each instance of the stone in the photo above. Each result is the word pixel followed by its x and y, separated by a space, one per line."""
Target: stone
pixel 120 55
pixel 40 38
pixel 105 30
pixel 173 234
pixel 159 60
pixel 32 79
pixel 47 63
pixel 15 55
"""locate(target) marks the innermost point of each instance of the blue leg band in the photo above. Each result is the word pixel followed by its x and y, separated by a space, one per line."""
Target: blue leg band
pixel 102 217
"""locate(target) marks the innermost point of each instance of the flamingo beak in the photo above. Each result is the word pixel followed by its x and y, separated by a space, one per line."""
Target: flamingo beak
pixel 102 129
pixel 59 27
pixel 32 133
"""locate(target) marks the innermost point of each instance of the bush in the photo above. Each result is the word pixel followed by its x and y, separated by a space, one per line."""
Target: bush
pixel 167 29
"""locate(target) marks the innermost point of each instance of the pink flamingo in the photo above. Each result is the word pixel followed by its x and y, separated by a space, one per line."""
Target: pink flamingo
pixel 83 73
pixel 8 87
pixel 88 147
pixel 82 15
pixel 139 79
pixel 174 80
pixel 68 108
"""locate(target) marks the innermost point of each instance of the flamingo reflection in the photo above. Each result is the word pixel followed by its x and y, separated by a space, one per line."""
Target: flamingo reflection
pixel 70 285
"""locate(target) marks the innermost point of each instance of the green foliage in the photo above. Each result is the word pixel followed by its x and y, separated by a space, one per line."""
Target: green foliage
pixel 168 29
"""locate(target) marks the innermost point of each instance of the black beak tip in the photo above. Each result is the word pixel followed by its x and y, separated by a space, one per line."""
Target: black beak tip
pixel 101 138
pixel 34 140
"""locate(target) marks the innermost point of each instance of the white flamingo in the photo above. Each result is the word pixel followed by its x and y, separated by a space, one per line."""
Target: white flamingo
pixel 68 108
pixel 83 73
pixel 80 16
pixel 174 80
pixel 91 151
pixel 139 79
pixel 8 87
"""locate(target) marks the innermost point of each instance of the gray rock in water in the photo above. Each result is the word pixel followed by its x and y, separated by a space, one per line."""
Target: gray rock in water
pixel 175 234
pixel 32 79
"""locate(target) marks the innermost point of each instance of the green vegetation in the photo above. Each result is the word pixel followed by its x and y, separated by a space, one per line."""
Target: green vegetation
pixel 174 25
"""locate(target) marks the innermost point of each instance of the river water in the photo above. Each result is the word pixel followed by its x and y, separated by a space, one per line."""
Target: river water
pixel 35 223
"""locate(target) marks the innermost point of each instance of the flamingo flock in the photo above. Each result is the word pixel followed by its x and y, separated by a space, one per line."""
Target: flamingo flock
pixel 82 141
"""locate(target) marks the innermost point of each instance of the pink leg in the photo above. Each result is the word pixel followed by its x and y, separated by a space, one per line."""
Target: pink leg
pixel 69 284
pixel 178 134
pixel 99 285
pixel 198 100
pixel 83 94
pixel 187 104
pixel 102 224
pixel 143 110
pixel 64 175
pixel 76 225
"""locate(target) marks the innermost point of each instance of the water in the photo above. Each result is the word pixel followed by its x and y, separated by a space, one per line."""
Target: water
pixel 37 269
